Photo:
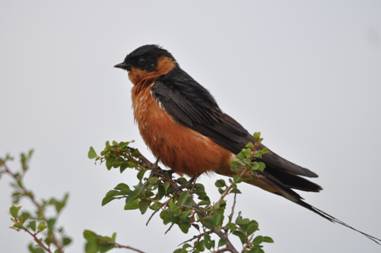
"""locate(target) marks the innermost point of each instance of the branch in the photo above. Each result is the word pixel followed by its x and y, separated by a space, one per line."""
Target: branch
pixel 229 244
pixel 33 225
pixel 183 202
pixel 38 240
pixel 120 246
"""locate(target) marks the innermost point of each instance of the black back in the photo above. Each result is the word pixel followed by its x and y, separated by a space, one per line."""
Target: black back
pixel 192 105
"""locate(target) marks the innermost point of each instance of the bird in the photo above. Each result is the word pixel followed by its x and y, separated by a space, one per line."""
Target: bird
pixel 182 124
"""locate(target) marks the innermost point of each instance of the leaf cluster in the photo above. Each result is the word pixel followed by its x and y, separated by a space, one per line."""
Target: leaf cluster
pixel 184 203
pixel 40 221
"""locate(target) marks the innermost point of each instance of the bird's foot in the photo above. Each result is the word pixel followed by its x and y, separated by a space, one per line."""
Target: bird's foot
pixel 157 171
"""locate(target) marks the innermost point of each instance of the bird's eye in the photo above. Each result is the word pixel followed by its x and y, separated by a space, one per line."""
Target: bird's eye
pixel 141 61
pixel 145 63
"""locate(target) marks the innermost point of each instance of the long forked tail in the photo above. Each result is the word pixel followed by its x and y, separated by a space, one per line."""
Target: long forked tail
pixel 282 177
pixel 335 220
pixel 274 185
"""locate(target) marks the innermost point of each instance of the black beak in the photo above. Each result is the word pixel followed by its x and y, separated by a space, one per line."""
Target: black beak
pixel 123 65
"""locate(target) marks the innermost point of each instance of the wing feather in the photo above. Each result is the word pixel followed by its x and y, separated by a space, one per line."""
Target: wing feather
pixel 193 106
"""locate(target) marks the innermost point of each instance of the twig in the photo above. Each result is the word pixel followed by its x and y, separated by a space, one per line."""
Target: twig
pixel 230 247
pixel 151 216
pixel 170 227
pixel 8 171
pixel 37 240
pixel 230 187
pixel 155 212
pixel 58 245
pixel 29 194
pixel 230 217
pixel 229 244
pixel 121 246
pixel 196 237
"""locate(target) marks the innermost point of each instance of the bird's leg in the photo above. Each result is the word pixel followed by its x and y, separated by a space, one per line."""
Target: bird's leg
pixel 160 172
pixel 156 163
pixel 192 182
pixel 188 185
pixel 169 173
pixel 155 168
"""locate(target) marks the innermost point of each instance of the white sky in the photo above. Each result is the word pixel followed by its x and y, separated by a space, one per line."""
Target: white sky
pixel 307 75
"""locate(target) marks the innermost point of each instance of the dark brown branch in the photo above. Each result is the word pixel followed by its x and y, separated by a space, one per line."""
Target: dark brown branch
pixel 155 212
pixel 121 246
pixel 230 217
pixel 229 245
pixel 196 237
pixel 37 240
pixel 29 194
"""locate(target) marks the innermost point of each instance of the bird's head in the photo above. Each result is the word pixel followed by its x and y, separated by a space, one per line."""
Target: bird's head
pixel 147 63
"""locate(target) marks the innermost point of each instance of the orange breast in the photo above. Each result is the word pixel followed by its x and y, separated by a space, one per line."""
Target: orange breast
pixel 178 147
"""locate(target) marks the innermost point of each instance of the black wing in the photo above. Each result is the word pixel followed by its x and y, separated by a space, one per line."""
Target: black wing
pixel 193 106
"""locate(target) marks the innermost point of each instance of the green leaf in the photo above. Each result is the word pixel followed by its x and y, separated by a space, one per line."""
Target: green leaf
pixel 96 243
pixel 214 220
pixel 252 227
pixel 51 222
pixel 41 226
pixel 89 235
pixel 166 187
pixel 123 188
pixel 209 243
pixel 140 174
pixel 131 204
pixel 153 180
pixel 143 205
pixel 241 221
pixel 160 190
pixel 32 225
pixel 237 179
pixel 23 217
pixel 220 183
pixel 113 237
pixel 66 241
pixel 109 164
pixel 260 239
pixel 111 195
pixel 257 136
pixel 199 246
pixel 268 239
pixel 24 162
pixel 59 204
pixel 241 235
pixel 14 210
pixel 221 242
pixel 231 226
pixel 184 198
pixel 156 205
pixel 258 166
pixel 35 249
pixel 92 154
pixel 184 227
pixel 165 216
pixel 182 181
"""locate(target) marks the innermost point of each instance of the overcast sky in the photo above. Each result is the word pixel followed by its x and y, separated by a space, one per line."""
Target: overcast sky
pixel 307 75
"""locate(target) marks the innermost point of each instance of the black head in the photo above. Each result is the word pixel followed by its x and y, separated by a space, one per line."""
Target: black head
pixel 145 58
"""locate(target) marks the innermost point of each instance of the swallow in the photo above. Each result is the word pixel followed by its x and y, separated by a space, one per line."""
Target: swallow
pixel 182 124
